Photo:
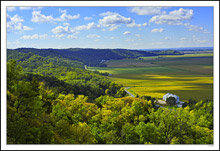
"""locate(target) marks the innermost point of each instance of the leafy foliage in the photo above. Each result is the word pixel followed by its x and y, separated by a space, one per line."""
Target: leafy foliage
pixel 66 105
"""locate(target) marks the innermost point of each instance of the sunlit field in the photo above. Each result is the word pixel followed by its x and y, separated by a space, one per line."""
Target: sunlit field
pixel 187 77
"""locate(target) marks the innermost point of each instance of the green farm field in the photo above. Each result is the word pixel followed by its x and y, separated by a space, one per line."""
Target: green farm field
pixel 188 76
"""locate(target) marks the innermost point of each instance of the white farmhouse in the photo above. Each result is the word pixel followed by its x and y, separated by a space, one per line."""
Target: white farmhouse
pixel 171 95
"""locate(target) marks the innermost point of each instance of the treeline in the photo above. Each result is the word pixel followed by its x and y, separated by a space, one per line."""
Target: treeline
pixel 38 112
pixel 167 52
pixel 31 60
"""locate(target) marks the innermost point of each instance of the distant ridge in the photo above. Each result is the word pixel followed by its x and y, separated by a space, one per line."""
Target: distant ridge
pixel 88 56
pixel 180 49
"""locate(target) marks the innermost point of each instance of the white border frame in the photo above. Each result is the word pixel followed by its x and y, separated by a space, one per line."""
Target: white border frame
pixel 214 4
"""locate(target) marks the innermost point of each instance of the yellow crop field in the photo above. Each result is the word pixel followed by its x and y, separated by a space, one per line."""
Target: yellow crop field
pixel 157 86
pixel 188 77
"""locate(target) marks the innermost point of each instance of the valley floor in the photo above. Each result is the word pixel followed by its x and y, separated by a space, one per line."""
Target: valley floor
pixel 188 76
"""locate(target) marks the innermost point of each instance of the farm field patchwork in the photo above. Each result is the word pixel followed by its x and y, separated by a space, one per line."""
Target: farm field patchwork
pixel 187 77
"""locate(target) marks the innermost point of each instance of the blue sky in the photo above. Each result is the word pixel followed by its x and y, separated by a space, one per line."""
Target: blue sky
pixel 109 27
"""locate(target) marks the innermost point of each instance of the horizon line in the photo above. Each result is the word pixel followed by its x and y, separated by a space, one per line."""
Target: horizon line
pixel 113 48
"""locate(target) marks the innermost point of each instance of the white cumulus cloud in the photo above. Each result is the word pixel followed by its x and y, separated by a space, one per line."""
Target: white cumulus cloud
pixel 65 17
pixel 93 36
pixel 127 33
pixel 37 17
pixel 160 30
pixel 133 24
pixel 27 28
pixel 25 8
pixel 115 19
pixel 62 10
pixel 35 36
pixel 60 29
pixel 108 13
pixel 113 27
pixel 146 10
pixel 72 36
pixel 15 23
pixel 174 17
pixel 177 17
pixel 59 36
pixel 28 8
pixel 66 24
pixel 87 18
pixel 89 26
pixel 144 24
pixel 195 28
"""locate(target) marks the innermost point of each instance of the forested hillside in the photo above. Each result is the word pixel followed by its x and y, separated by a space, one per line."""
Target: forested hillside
pixel 91 57
pixel 52 100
